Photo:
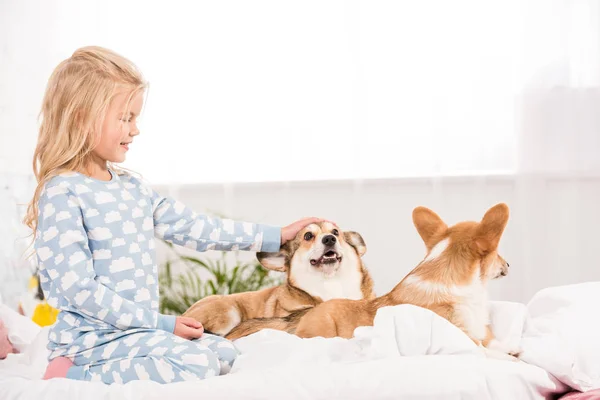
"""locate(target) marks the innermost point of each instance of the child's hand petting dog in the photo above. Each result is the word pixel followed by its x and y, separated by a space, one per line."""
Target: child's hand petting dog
pixel 188 328
pixel 289 232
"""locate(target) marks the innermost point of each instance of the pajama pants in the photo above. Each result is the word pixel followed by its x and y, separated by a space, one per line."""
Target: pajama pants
pixel 143 354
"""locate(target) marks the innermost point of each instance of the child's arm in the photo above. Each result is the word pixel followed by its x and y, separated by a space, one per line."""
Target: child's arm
pixel 63 251
pixel 178 224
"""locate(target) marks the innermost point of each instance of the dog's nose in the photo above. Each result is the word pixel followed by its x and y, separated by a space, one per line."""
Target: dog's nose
pixel 329 240
pixel 507 265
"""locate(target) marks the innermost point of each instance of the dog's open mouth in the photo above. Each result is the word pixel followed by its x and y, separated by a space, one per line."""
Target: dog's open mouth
pixel 328 257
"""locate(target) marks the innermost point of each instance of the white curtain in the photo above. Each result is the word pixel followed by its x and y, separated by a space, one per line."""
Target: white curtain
pixel 480 101
pixel 558 125
pixel 557 185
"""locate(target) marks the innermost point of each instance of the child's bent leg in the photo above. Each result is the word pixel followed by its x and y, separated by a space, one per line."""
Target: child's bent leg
pixel 150 355
pixel 161 369
pixel 223 348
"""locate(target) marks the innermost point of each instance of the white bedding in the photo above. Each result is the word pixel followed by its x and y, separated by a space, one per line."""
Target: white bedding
pixel 409 352
pixel 562 334
pixel 422 377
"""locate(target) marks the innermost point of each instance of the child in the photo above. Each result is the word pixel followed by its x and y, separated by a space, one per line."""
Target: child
pixel 94 228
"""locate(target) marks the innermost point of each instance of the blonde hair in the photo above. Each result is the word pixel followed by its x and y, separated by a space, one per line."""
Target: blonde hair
pixel 75 103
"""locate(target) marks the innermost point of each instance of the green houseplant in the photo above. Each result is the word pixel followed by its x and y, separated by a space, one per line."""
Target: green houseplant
pixel 179 291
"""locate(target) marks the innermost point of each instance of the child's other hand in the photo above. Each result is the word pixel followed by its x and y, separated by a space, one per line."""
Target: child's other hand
pixel 289 232
pixel 188 328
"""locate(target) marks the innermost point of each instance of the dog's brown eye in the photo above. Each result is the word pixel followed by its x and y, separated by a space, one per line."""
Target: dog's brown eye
pixel 308 236
pixel 335 232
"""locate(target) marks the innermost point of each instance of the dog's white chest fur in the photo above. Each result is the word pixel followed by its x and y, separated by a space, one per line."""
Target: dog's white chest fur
pixel 470 301
pixel 346 283
pixel 472 307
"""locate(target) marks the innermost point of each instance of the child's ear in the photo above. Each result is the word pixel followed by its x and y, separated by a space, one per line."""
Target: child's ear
pixel 429 225
pixel 491 228
pixel 277 261
pixel 355 240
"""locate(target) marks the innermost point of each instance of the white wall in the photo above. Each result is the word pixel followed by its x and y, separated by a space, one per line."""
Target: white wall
pixel 546 242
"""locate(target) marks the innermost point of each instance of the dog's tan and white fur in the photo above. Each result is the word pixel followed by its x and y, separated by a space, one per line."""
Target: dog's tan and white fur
pixel 321 263
pixel 451 281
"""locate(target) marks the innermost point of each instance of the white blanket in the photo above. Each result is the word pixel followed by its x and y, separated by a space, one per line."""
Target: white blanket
pixel 403 330
pixel 563 334
pixel 410 352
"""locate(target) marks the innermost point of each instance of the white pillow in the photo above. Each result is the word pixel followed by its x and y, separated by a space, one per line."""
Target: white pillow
pixel 562 334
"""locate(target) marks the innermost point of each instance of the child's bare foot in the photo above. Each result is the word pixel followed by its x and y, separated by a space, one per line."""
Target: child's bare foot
pixel 58 367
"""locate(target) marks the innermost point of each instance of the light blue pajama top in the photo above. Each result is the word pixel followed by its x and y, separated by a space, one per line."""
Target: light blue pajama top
pixel 95 246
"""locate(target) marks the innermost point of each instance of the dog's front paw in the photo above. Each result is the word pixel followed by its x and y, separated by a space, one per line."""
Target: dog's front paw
pixel 516 352
pixel 510 351
pixel 499 355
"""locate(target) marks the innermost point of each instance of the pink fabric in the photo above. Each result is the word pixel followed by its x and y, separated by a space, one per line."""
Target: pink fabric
pixel 6 347
pixel 58 368
pixel 591 395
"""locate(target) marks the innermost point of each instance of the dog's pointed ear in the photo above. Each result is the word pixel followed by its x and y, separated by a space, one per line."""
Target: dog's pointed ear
pixel 491 228
pixel 277 261
pixel 429 225
pixel 355 240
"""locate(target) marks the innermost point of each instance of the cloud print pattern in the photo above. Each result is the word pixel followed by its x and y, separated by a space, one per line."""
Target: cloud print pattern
pixel 96 251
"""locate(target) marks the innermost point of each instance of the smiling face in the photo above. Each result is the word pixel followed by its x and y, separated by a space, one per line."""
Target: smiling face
pixel 320 246
pixel 319 250
pixel 119 127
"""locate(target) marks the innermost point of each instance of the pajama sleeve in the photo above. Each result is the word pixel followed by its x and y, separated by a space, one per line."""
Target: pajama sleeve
pixel 178 224
pixel 63 252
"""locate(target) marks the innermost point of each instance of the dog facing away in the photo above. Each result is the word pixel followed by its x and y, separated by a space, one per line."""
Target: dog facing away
pixel 450 281
pixel 321 263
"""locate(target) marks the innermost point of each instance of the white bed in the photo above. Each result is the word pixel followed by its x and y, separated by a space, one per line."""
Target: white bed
pixel 409 353
pixel 419 377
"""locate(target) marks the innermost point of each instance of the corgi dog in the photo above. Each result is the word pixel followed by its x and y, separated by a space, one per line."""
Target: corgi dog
pixel 321 263
pixel 451 281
